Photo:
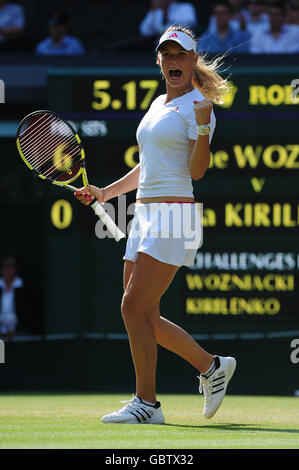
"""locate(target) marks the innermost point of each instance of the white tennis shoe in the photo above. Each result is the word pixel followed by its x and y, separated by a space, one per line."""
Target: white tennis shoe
pixel 136 412
pixel 214 387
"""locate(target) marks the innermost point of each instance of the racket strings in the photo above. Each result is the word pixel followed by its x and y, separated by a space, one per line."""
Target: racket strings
pixel 37 136
pixel 36 127
pixel 40 139
pixel 39 142
pixel 50 147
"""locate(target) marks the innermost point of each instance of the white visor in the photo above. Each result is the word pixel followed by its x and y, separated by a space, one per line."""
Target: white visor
pixel 181 38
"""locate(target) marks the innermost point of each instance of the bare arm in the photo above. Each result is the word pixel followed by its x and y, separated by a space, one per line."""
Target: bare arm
pixel 127 183
pixel 199 159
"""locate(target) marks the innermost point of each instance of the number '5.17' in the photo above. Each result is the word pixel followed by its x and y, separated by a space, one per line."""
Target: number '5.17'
pixel 104 100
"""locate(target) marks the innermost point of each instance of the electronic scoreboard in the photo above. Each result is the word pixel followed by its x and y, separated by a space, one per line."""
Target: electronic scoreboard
pixel 245 278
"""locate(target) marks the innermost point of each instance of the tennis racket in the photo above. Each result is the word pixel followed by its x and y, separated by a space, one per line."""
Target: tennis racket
pixel 52 149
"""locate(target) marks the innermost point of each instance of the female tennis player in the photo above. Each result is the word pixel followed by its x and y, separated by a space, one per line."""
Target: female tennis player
pixel 174 145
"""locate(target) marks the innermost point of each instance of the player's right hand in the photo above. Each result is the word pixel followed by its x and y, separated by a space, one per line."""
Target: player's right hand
pixel 86 194
pixel 202 111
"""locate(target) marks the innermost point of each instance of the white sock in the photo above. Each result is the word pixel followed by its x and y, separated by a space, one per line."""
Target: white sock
pixel 210 371
pixel 148 403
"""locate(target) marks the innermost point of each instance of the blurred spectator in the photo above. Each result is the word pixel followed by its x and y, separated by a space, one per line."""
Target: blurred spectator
pixel 12 21
pixel 225 38
pixel 253 19
pixel 258 20
pixel 164 13
pixel 11 292
pixel 237 8
pixel 292 14
pixel 238 16
pixel 279 38
pixel 59 43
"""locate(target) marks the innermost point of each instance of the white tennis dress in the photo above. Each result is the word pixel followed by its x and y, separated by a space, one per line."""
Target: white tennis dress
pixel 169 232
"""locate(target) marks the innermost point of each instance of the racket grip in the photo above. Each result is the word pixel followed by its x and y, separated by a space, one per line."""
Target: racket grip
pixel 107 221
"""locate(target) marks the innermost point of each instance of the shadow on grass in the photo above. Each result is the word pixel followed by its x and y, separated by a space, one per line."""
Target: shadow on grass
pixel 234 427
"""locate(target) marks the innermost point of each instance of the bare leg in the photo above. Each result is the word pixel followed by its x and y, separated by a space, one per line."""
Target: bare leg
pixel 175 339
pixel 148 281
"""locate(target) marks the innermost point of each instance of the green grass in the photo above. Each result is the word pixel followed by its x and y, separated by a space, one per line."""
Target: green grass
pixel 73 421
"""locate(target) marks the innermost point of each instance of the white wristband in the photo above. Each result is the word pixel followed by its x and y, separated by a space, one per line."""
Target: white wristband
pixel 204 129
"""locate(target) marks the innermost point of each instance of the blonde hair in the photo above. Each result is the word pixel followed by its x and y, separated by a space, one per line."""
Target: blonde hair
pixel 205 73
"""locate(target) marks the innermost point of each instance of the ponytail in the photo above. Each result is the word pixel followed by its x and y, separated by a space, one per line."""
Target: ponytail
pixel 207 80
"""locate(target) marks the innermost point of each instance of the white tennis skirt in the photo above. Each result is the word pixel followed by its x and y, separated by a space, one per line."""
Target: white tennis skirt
pixel 171 232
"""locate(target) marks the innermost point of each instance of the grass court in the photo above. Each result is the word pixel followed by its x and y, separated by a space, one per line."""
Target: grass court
pixel 67 421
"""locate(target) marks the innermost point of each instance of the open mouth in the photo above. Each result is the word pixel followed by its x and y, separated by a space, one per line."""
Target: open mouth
pixel 175 73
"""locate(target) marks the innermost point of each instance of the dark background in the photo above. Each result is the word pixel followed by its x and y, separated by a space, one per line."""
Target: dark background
pixel 76 337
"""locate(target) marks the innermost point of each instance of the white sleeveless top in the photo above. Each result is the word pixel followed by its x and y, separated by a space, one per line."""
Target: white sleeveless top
pixel 163 138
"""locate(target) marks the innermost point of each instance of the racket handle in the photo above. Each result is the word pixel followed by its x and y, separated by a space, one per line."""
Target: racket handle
pixel 106 219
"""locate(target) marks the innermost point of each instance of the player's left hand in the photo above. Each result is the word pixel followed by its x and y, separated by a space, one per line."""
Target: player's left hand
pixel 202 111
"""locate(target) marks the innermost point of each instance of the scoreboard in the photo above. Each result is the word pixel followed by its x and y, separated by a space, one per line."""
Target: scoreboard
pixel 246 274
pixel 118 92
